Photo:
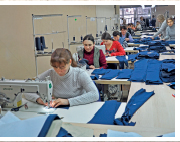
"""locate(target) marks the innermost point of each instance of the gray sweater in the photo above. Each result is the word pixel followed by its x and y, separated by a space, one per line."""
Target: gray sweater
pixel 76 86
pixel 162 30
pixel 170 33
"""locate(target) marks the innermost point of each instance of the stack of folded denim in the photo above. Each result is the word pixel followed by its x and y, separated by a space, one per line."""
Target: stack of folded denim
pixel 148 55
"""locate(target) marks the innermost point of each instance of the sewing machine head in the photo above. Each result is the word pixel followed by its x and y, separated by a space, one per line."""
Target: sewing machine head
pixel 11 90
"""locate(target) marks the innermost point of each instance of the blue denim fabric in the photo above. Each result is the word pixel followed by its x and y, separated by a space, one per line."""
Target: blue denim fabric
pixel 63 133
pixel 132 57
pixel 84 61
pixel 168 67
pixel 139 72
pixel 124 74
pixel 142 48
pixel 95 77
pixel 152 75
pixel 148 55
pixel 110 75
pixel 166 43
pixel 172 85
pixel 103 135
pixel 101 71
pixel 157 48
pixel 136 101
pixel 106 114
pixel 122 60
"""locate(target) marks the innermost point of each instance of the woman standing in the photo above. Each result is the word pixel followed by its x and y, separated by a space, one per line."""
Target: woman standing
pixel 170 30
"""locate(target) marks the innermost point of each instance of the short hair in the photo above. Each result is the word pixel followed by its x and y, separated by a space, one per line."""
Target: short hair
pixel 170 18
pixel 89 37
pixel 106 36
pixel 160 17
pixel 153 16
pixel 129 24
pixel 116 33
pixel 137 22
pixel 123 27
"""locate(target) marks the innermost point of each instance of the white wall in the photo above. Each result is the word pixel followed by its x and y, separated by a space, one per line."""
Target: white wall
pixel 105 11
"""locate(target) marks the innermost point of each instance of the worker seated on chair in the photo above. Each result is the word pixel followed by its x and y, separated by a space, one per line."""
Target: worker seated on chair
pixel 122 41
pixel 125 35
pixel 71 85
pixel 95 56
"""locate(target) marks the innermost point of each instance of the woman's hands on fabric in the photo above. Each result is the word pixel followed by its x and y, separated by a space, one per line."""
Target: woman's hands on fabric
pixel 107 54
pixel 58 102
pixel 40 101
pixel 152 38
pixel 92 67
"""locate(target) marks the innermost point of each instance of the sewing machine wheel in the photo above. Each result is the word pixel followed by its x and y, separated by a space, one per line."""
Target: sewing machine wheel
pixel 112 88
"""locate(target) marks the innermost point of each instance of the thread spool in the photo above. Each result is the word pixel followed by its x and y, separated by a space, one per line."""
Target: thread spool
pixel 73 38
pixel 43 45
pixel 81 38
pixel 38 44
pixel 100 32
pixel 96 35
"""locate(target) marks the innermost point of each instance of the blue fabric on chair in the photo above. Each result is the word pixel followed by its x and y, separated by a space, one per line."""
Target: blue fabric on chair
pixel 139 72
pixel 122 60
pixel 110 75
pixel 47 124
pixel 136 101
pixel 132 57
pixel 172 85
pixel 148 55
pixel 106 114
pixel 101 71
pixel 152 75
pixel 63 133
pixel 124 74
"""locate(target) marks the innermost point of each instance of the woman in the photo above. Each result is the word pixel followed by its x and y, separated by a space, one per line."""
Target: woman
pixel 113 48
pixel 71 86
pixel 170 30
pixel 95 56
pixel 162 31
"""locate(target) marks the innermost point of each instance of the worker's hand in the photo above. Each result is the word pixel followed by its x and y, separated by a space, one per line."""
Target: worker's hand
pixel 39 101
pixel 58 102
pixel 163 39
pixel 127 39
pixel 80 59
pixel 92 67
pixel 152 38
pixel 107 54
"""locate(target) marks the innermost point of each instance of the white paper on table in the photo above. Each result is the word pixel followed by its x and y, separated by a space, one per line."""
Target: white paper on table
pixel 112 133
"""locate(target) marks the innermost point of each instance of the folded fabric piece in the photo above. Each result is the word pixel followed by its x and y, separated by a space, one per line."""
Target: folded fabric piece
pixel 157 48
pixel 110 75
pixel 172 85
pixel 122 60
pixel 112 133
pixel 101 71
pixel 154 43
pixel 136 101
pixel 63 133
pixel 124 74
pixel 106 114
pixel 141 48
pixel 103 135
pixel 152 75
pixel 132 57
pixel 148 55
pixel 166 43
pixel 168 67
pixel 139 72
pixel 84 61
pixel 95 77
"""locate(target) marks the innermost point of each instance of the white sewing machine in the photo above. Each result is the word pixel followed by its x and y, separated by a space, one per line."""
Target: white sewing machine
pixel 11 90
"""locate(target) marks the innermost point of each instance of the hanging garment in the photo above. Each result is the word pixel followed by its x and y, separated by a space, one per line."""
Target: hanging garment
pixel 110 75
pixel 124 74
pixel 136 101
pixel 106 114
pixel 132 57
pixel 139 72
pixel 122 60
pixel 172 85
pixel 148 55
pixel 101 71
pixel 152 75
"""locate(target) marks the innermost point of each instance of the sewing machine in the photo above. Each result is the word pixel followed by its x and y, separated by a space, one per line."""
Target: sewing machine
pixel 11 90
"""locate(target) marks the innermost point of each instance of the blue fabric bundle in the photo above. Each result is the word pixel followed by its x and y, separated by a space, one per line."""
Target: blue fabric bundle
pixel 110 75
pixel 148 55
pixel 139 72
pixel 103 135
pixel 136 101
pixel 63 133
pixel 167 71
pixel 106 114
pixel 84 61
pixel 172 85
pixel 122 61
pixel 132 57
pixel 157 48
pixel 141 48
pixel 95 77
pixel 101 71
pixel 124 74
pixel 152 75
pixel 166 43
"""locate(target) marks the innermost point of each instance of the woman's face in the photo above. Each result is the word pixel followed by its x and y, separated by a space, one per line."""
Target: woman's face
pixel 62 69
pixel 159 20
pixel 123 31
pixel 170 23
pixel 106 42
pixel 88 45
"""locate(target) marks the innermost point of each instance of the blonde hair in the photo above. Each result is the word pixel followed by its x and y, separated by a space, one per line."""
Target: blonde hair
pixel 160 17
